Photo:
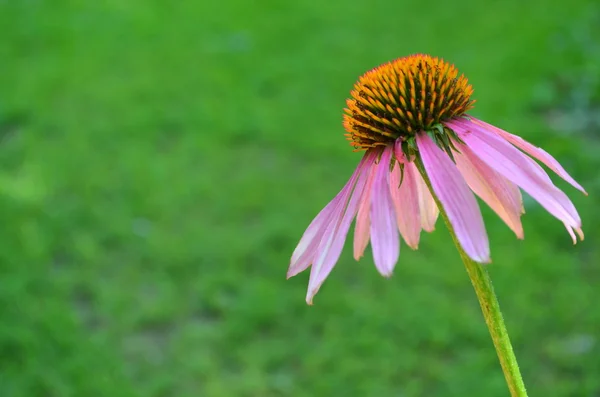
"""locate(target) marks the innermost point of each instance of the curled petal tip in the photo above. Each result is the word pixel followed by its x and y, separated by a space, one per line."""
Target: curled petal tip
pixel 573 237
pixel 580 233
pixel 484 261
pixel 520 233
pixel 572 233
pixel 291 272
pixel 309 298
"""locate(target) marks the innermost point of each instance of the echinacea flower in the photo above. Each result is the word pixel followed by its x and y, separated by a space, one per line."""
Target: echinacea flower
pixel 409 116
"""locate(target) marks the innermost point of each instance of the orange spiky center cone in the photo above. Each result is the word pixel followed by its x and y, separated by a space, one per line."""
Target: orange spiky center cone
pixel 402 97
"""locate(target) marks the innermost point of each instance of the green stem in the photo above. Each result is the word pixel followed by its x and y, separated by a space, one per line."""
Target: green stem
pixel 489 305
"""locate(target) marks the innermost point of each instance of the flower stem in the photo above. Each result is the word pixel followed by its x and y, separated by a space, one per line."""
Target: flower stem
pixel 489 305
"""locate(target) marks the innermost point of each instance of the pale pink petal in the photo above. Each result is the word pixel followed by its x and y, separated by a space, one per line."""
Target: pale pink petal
pixel 572 233
pixel 406 204
pixel 363 223
pixel 535 152
pixel 384 232
pixel 501 195
pixel 457 199
pixel 305 251
pixel 303 255
pixel 332 241
pixel 517 168
pixel 428 209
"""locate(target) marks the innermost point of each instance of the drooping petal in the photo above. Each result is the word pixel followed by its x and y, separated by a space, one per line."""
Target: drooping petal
pixel 406 203
pixel 304 254
pixel 305 251
pixel 384 232
pixel 534 151
pixel 363 223
pixel 428 209
pixel 515 166
pixel 456 198
pixel 332 242
pixel 572 233
pixel 497 192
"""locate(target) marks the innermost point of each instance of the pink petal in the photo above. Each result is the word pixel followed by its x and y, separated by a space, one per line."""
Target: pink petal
pixel 384 232
pixel 501 195
pixel 305 251
pixel 456 198
pixel 332 240
pixel 573 237
pixel 517 168
pixel 303 255
pixel 406 204
pixel 363 223
pixel 535 152
pixel 428 209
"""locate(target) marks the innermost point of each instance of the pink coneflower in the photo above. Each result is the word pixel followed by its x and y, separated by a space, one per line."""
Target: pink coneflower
pixel 409 115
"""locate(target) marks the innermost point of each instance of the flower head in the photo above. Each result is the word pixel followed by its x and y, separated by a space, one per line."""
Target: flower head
pixel 402 98
pixel 422 150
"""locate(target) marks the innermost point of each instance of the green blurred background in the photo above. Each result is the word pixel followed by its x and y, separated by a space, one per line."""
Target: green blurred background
pixel 160 161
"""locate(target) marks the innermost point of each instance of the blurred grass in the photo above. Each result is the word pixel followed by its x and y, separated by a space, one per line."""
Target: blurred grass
pixel 158 164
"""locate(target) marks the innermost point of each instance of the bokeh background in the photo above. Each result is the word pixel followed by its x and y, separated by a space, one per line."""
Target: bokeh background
pixel 159 161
